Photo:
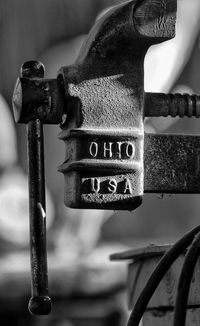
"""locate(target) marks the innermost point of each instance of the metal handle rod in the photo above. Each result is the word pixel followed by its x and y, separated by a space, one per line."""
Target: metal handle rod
pixel 39 303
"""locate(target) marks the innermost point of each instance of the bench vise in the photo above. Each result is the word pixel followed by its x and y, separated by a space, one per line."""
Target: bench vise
pixel 100 104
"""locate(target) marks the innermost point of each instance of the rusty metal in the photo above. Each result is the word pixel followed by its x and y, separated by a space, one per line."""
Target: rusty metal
pixel 40 303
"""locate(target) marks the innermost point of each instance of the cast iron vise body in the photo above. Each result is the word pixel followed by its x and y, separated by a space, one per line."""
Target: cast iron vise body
pixel 109 161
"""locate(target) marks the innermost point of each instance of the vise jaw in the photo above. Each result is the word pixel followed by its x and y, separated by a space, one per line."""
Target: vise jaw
pixel 104 129
pixel 101 102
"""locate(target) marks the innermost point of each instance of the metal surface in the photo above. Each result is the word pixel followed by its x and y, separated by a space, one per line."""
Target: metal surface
pixel 40 303
pixel 109 162
pixel 38 98
pixel 44 99
pixel 103 165
pixel 159 104
pixel 171 164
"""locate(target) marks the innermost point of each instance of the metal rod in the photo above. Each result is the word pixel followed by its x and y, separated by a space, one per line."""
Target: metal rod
pixel 157 275
pixel 185 282
pixel 39 303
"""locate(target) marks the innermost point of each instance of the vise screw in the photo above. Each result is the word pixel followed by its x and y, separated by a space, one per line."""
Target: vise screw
pixel 100 104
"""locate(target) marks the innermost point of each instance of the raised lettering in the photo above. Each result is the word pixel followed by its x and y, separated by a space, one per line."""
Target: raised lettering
pixel 107 150
pixel 130 150
pixel 95 185
pixel 128 187
pixel 119 152
pixel 112 186
pixel 93 149
pixel 122 150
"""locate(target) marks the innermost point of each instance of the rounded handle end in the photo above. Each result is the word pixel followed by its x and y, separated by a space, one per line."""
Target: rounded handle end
pixel 40 305
pixel 32 69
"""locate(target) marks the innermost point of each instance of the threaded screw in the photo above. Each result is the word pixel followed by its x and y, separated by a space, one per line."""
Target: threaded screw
pixel 174 105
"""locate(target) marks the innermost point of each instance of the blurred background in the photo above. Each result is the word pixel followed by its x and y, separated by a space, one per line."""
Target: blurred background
pixel 80 242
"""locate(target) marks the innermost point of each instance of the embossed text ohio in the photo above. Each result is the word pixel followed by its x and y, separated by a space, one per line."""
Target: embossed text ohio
pixel 124 150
